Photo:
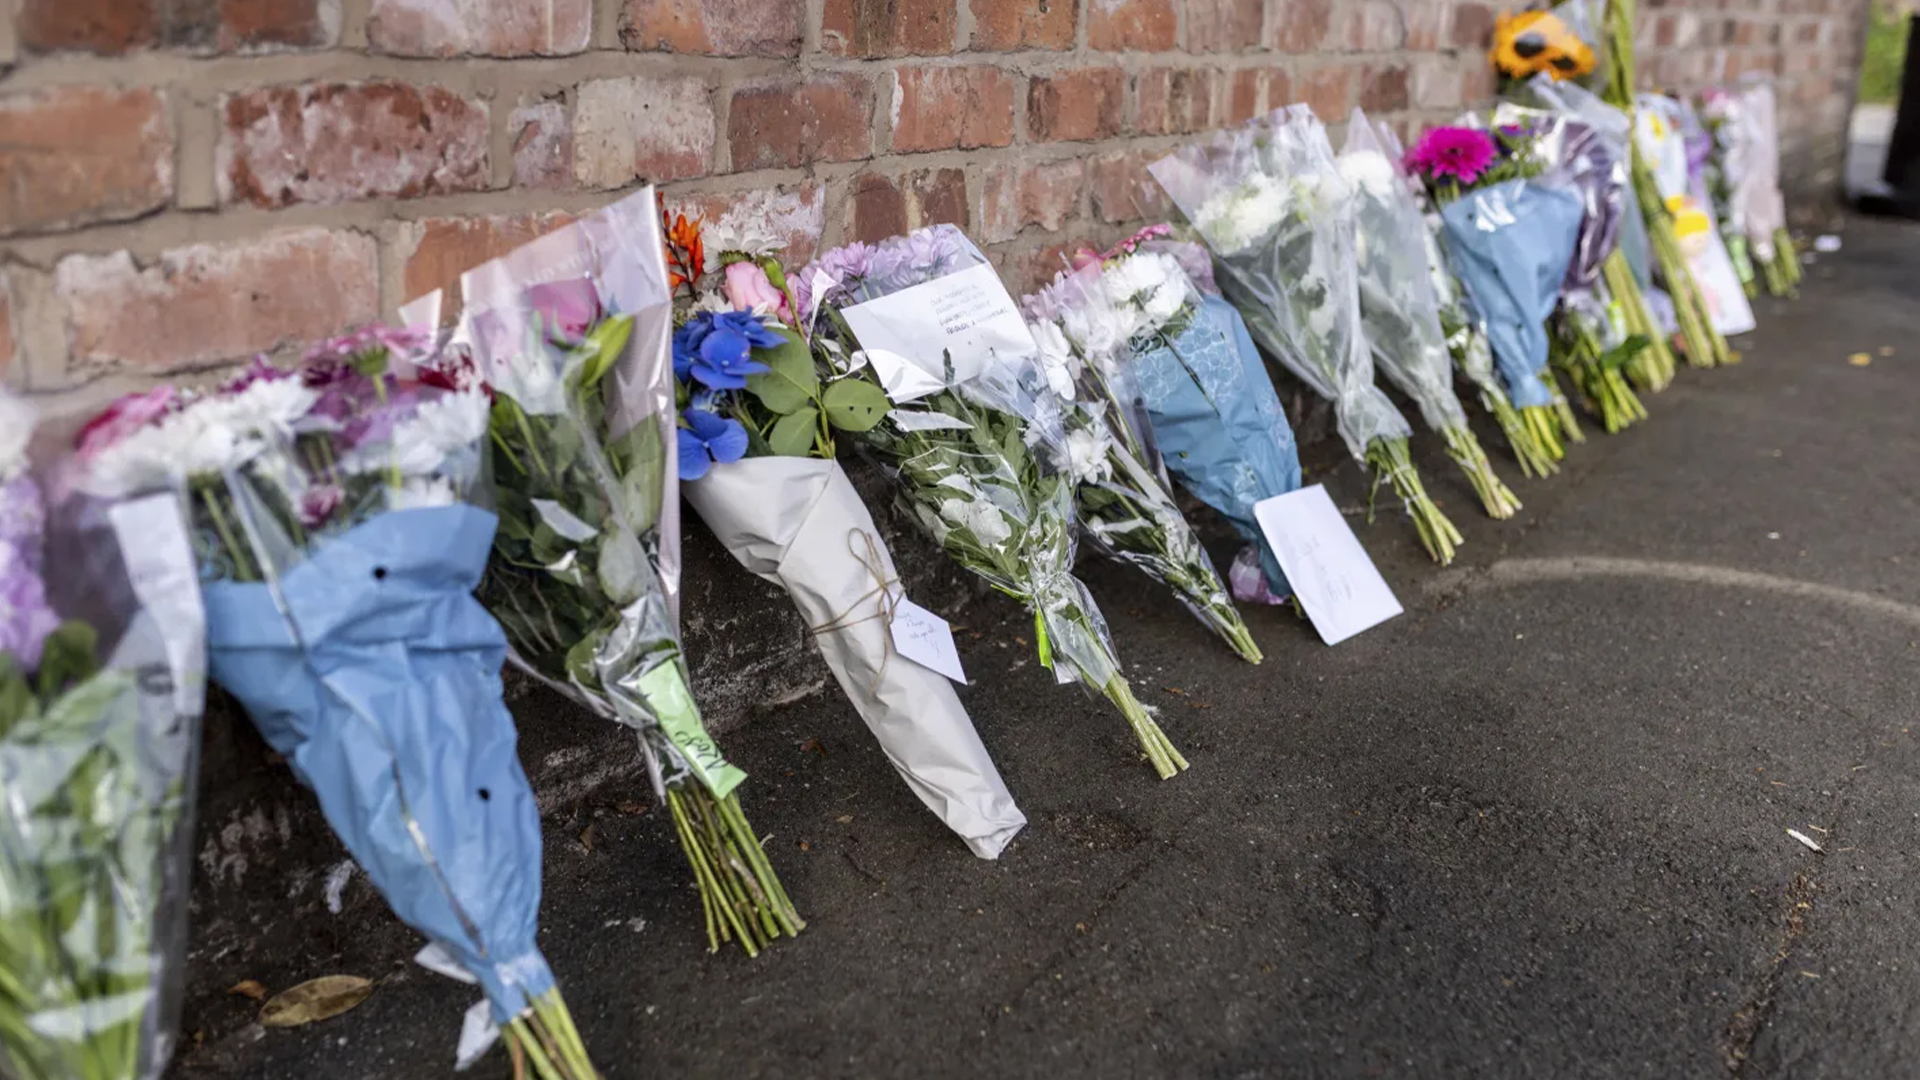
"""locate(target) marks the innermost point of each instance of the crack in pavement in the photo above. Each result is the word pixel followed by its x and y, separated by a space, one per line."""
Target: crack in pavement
pixel 1758 1006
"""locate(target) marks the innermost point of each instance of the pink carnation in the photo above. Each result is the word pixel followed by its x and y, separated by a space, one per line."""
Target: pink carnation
pixel 122 418
pixel 1457 152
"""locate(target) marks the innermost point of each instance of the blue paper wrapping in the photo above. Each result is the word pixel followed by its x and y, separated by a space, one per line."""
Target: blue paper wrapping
pixel 388 704
pixel 1511 243
pixel 1225 435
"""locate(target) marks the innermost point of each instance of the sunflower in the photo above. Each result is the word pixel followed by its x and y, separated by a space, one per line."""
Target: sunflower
pixel 1534 41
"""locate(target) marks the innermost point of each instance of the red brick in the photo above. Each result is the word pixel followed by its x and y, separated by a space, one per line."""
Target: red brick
pixel 112 27
pixel 1300 26
pixel 1073 105
pixel 641 128
pixel 212 303
pixel 1007 25
pixel 335 142
pixel 1383 89
pixel 1328 92
pixel 1123 190
pixel 713 27
pixel 949 108
pixel 937 196
pixel 883 206
pixel 1014 196
pixel 1436 83
pixel 870 28
pixel 1373 26
pixel 542 146
pixel 879 208
pixel 1472 26
pixel 1424 24
pixel 1034 271
pixel 1247 95
pixel 794 216
pixel 480 27
pixel 1174 101
pixel 826 118
pixel 1119 25
pixel 1477 84
pixel 77 154
pixel 1224 25
pixel 1665 30
pixel 448 247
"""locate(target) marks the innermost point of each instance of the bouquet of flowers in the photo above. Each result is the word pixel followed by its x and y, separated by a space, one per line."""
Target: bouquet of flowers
pixel 924 318
pixel 102 669
pixel 1473 353
pixel 1675 148
pixel 1271 203
pixel 1745 181
pixel 570 332
pixel 756 450
pixel 1509 236
pixel 1703 345
pixel 1399 311
pixel 1125 510
pixel 334 523
pixel 1590 342
pixel 1585 137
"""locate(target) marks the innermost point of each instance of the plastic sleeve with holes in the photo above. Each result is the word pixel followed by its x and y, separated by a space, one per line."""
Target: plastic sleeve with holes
pixel 372 668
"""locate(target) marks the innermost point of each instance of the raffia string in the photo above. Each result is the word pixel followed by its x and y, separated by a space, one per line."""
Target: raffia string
pixel 876 566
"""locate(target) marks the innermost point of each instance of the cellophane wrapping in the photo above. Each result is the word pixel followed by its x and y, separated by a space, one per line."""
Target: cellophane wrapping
pixel 102 681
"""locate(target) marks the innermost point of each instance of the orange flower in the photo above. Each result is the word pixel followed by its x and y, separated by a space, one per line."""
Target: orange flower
pixel 686 251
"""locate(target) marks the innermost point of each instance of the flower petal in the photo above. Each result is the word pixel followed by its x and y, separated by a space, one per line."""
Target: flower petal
pixel 730 444
pixel 694 461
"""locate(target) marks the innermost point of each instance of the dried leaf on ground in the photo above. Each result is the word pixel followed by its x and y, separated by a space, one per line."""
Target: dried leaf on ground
pixel 249 988
pixel 314 1000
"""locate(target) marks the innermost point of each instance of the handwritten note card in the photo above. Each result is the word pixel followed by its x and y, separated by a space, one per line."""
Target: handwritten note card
pixel 967 316
pixel 1337 583
pixel 926 639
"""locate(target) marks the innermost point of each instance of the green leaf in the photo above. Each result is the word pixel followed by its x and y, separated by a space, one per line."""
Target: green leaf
pixel 793 435
pixel 855 405
pixel 623 567
pixel 67 658
pixel 792 383
pixel 603 347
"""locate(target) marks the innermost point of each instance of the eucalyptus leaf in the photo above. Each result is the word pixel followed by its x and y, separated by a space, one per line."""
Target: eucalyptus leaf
pixel 792 383
pixel 855 405
pixel 793 435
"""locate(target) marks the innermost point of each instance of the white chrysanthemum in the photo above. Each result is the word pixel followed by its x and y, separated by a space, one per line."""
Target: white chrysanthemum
pixel 1133 275
pixel 979 517
pixel 742 231
pixel 1166 301
pixel 422 492
pixel 1057 360
pixel 267 407
pixel 421 443
pixel 1085 455
pixel 16 430
pixel 199 440
pixel 1371 172
pixel 1235 218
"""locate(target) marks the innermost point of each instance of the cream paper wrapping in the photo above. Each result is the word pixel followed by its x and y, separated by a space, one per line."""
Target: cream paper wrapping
pixel 799 522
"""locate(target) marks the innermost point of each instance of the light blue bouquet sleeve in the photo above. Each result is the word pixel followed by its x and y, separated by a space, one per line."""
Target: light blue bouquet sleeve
pixel 1510 243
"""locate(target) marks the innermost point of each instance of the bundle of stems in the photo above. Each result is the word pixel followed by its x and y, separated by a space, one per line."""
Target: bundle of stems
pixel 1598 371
pixel 1652 368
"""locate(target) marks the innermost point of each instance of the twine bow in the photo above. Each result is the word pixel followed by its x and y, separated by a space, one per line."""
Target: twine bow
pixel 876 566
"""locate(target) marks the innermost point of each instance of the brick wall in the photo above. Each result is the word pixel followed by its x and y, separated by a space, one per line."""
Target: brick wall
pixel 188 182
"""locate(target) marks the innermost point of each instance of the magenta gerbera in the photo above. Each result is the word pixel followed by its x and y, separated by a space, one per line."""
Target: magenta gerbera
pixel 1457 152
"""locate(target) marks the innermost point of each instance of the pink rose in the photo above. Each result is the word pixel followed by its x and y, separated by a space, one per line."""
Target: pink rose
pixel 568 310
pixel 747 288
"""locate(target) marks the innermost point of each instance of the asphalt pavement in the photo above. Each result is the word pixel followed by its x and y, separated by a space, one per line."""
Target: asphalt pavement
pixel 1535 827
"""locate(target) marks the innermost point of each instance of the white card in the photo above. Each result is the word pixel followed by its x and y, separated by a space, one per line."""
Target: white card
pixel 1727 307
pixel 478 1033
pixel 159 561
pixel 926 639
pixel 968 315
pixel 1337 583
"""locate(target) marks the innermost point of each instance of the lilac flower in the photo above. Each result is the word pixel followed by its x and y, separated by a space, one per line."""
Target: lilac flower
pixel 568 310
pixel 368 348
pixel 21 515
pixel 319 503
pixel 916 258
pixel 707 438
pixel 845 265
pixel 25 618
pixel 716 349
